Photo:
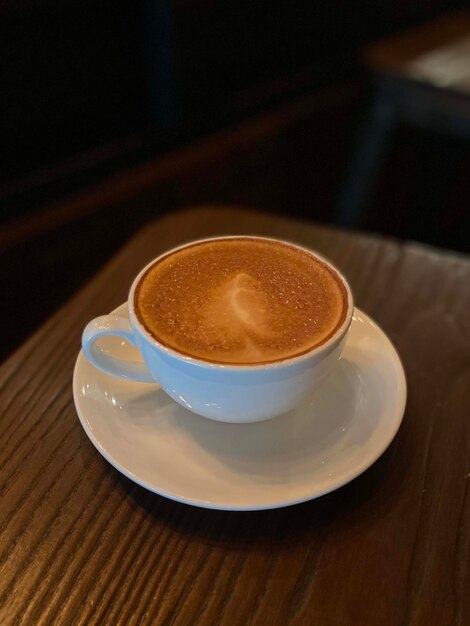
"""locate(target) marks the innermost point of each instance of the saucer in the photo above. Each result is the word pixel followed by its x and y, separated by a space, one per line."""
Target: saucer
pixel 324 443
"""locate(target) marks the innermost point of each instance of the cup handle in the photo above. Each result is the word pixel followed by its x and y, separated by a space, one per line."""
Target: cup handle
pixel 117 326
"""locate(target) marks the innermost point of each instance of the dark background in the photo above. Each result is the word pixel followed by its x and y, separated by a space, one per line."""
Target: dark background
pixel 257 103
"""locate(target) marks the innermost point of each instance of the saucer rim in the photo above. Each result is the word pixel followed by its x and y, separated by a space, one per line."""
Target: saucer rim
pixel 208 504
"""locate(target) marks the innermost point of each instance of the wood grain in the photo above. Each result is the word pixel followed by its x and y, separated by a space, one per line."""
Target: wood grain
pixel 81 544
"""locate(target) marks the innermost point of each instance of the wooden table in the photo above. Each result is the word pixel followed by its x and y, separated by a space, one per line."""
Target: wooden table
pixel 81 544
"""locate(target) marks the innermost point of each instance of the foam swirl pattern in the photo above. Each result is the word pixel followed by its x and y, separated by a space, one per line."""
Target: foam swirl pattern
pixel 240 301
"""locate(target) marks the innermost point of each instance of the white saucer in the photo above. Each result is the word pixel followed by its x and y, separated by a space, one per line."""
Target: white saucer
pixel 323 444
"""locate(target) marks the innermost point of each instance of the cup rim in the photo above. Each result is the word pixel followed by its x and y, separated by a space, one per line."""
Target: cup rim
pixel 210 365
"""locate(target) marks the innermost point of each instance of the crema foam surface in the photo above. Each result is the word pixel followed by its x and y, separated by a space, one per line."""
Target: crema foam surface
pixel 240 301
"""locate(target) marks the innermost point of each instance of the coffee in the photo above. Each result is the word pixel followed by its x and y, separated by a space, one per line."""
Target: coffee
pixel 241 301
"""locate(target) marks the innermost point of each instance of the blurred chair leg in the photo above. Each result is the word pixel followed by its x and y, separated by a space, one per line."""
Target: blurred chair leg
pixel 373 143
pixel 160 53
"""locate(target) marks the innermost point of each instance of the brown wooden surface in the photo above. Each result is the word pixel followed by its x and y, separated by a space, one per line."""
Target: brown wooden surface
pixel 81 544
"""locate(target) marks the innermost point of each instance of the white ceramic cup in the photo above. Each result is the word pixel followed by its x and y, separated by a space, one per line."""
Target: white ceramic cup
pixel 227 393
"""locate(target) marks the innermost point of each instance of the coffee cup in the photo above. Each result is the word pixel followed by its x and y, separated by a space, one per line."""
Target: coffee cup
pixel 248 388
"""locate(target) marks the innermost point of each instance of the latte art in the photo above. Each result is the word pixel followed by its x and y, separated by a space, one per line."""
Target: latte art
pixel 240 301
pixel 239 307
pixel 242 298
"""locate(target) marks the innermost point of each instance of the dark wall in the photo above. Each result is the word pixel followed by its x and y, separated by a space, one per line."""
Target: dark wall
pixel 78 74
pixel 71 78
